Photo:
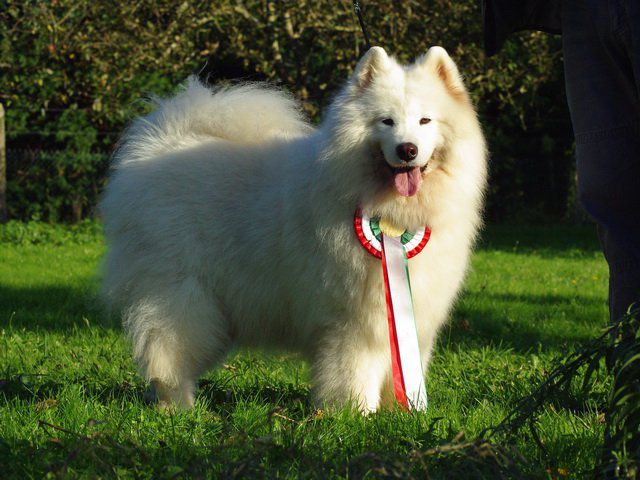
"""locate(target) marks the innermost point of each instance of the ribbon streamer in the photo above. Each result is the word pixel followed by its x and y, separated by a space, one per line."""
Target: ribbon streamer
pixel 406 364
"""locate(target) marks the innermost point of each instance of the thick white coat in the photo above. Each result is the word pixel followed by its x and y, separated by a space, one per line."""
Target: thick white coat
pixel 228 220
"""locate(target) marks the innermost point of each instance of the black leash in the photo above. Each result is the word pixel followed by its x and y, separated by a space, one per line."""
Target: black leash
pixel 358 10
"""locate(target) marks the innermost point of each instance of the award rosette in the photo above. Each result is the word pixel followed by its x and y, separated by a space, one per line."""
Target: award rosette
pixel 394 247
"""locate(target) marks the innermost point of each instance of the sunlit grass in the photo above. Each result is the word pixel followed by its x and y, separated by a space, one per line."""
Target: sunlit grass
pixel 71 402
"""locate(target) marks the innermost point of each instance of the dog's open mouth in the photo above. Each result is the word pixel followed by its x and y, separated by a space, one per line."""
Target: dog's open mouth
pixel 407 180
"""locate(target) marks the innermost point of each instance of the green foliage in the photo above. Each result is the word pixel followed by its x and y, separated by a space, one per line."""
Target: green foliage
pixel 56 185
pixel 621 456
pixel 575 383
pixel 74 70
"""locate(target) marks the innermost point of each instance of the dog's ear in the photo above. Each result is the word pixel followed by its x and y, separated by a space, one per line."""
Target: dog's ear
pixel 438 61
pixel 374 62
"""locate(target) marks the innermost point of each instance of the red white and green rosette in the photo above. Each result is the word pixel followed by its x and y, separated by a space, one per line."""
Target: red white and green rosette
pixel 370 235
pixel 394 248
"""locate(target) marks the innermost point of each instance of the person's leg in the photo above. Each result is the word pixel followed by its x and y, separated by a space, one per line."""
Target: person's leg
pixel 604 101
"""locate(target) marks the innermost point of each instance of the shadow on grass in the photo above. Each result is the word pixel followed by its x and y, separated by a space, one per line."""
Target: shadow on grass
pixel 59 308
pixel 295 446
pixel 543 240
pixel 479 325
pixel 41 388
pixel 50 307
pixel 561 301
pixel 240 456
pixel 219 393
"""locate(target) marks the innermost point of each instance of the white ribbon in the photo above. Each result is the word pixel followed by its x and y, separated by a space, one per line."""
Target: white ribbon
pixel 399 289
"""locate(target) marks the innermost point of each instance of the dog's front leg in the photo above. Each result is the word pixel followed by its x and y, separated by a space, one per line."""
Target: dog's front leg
pixel 349 370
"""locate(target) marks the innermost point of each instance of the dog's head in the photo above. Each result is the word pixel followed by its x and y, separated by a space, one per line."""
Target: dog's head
pixel 397 122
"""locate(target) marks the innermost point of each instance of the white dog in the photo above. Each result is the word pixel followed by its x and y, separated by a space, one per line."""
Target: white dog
pixel 229 222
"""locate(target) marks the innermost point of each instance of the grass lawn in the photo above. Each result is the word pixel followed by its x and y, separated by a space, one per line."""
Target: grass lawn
pixel 71 403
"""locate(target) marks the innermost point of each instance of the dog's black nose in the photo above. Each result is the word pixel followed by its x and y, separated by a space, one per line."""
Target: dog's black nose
pixel 407 151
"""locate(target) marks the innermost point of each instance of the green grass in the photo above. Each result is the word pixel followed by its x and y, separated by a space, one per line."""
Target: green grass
pixel 71 403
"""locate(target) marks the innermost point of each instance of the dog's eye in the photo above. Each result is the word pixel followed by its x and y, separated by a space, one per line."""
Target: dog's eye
pixel 388 121
pixel 424 120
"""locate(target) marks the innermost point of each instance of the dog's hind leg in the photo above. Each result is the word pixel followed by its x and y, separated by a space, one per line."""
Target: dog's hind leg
pixel 176 338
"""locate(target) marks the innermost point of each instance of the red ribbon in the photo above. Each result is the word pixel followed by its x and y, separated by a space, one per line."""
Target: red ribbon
pixel 396 365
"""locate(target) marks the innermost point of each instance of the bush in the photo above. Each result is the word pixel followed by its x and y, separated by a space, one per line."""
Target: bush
pixel 54 185
pixel 73 71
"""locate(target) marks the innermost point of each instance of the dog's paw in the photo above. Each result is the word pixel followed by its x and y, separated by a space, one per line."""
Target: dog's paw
pixel 150 397
pixel 165 398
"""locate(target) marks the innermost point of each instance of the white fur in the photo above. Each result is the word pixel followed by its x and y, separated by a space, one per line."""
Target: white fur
pixel 229 223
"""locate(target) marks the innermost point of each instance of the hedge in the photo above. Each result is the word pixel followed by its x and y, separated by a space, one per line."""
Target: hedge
pixel 72 73
pixel 54 185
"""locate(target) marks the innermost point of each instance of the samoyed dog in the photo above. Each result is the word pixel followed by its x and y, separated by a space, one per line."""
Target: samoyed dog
pixel 229 223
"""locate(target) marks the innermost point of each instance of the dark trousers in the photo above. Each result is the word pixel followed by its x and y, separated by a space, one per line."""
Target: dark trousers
pixel 601 43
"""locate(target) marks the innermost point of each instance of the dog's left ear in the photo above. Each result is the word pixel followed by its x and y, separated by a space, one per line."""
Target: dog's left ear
pixel 438 61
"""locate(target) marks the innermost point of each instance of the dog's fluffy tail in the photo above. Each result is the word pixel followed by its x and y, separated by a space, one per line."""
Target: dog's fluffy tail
pixel 244 113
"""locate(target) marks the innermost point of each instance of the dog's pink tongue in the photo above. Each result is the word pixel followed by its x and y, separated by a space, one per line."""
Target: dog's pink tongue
pixel 408 182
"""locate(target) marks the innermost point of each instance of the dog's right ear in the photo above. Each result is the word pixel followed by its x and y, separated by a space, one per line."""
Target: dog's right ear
pixel 370 65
